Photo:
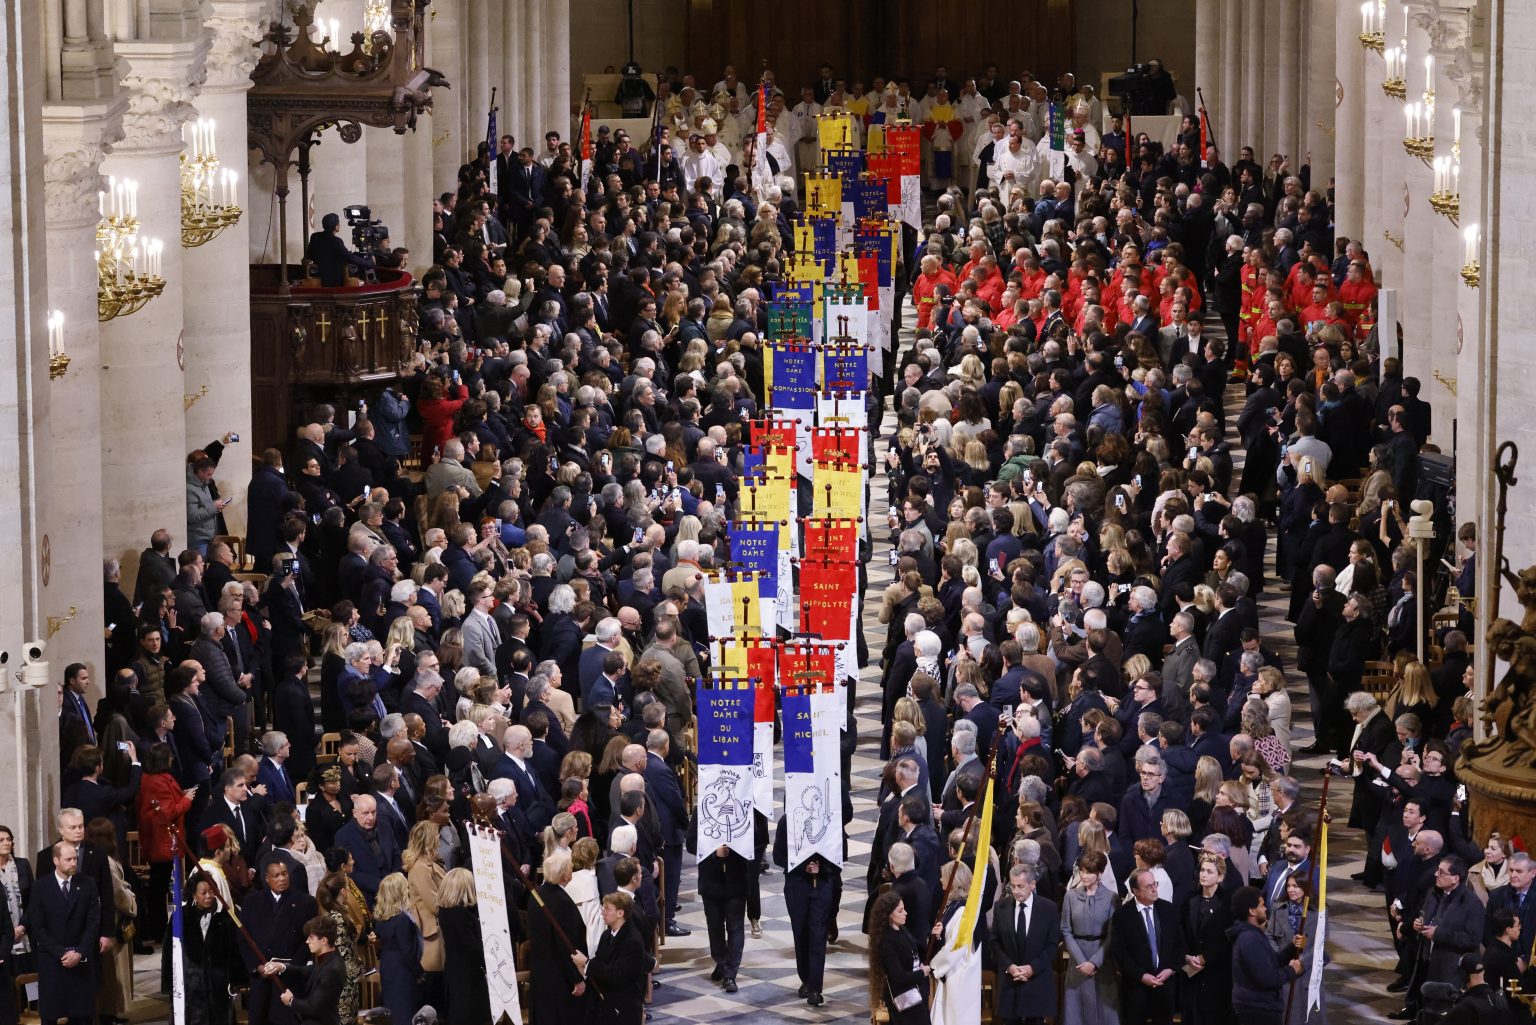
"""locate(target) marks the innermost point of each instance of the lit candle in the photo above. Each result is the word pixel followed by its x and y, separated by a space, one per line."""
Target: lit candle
pixel 1408 120
pixel 1456 177
pixel 1471 237
pixel 133 199
pixel 1456 124
pixel 1365 18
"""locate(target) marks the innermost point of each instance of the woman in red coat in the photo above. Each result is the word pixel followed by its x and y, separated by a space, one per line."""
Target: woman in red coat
pixel 437 412
pixel 162 807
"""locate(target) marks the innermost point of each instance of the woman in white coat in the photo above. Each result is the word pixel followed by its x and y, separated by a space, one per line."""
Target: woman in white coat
pixel 583 888
pixel 957 973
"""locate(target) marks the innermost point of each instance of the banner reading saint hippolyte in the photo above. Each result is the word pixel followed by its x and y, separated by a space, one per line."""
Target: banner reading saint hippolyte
pixel 495 933
pixel 726 710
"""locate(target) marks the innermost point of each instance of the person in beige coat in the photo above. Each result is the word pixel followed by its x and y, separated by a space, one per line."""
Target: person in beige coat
pixel 424 872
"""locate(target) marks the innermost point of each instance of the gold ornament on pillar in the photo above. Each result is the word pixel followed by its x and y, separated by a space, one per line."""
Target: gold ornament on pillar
pixel 1373 25
pixel 1395 85
pixel 127 270
pixel 207 193
pixel 1471 271
pixel 58 362
pixel 1446 199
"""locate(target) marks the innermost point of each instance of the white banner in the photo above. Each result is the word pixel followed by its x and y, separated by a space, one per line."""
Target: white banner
pixel 842 409
pixel 762 768
pixel 788 611
pixel 828 716
pixel 725 809
pixel 495 934
pixel 720 608
pixel 911 201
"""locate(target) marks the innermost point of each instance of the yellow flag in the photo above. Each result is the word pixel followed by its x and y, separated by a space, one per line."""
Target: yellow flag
pixel 979 875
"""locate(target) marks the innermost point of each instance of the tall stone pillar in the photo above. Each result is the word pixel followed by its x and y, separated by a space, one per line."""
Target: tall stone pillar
pixel 28 705
pixel 1349 135
pixel 1231 125
pixel 535 84
pixel 143 435
pixel 76 139
pixel 1254 101
pixel 445 51
pixel 1289 85
pixel 217 300
pixel 1318 127
pixel 339 172
pixel 1208 61
pixel 557 69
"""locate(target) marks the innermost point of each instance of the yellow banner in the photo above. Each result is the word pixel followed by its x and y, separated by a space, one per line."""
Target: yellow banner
pixel 979 868
pixel 834 131
pixel 745 599
pixel 838 491
pixel 823 196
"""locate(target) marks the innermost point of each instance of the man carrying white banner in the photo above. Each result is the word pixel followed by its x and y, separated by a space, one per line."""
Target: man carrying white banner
pixel 725 842
pixel 495 934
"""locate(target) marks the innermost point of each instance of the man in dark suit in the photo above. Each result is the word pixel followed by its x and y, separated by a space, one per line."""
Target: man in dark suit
pixel 230 810
pixel 525 191
pixel 64 921
pixel 1223 634
pixel 98 798
pixel 912 818
pixel 1518 897
pixel 1145 942
pixel 663 791
pixel 273 772
pixel 1142 807
pixel 1026 932
pixel 422 700
pixel 901 860
pixel 396 810
pixel 374 852
pixel 275 917
pixel 981 713
pixel 537 805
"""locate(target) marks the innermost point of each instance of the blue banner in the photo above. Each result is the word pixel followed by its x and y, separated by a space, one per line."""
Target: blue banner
pixel 869 199
pixel 849 164
pixel 845 370
pixel 878 245
pixel 798 753
pixel 755 548
pixel 726 713
pixel 794 377
pixel 753 463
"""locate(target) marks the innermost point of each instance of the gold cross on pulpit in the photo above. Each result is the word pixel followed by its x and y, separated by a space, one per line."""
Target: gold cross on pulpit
pixel 324 324
pixel 381 319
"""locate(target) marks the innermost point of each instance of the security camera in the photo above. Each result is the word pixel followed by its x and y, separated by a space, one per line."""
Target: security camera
pixel 34 652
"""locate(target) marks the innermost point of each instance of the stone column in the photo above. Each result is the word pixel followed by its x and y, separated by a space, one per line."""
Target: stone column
pixel 143 450
pixel 339 174
pixel 1209 58
pixel 557 69
pixel 29 708
pixel 1318 128
pixel 1254 46
pixel 445 51
pixel 1349 134
pixel 1287 82
pixel 217 301
pixel 535 86
pixel 1414 269
pixel 1230 123
pixel 75 141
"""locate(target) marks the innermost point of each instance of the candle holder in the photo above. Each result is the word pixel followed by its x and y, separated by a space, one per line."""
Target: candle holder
pixel 207 199
pixel 58 362
pixel 127 274
pixel 1447 204
pixel 1395 88
pixel 1472 274
pixel 1422 147
pixel 1376 41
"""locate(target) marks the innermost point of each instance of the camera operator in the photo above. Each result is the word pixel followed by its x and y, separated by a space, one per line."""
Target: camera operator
pixel 1480 1003
pixel 331 256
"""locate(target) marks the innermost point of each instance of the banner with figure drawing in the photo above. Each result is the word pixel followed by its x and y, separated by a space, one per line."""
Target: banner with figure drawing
pixel 813 792
pixel 495 933
pixel 727 709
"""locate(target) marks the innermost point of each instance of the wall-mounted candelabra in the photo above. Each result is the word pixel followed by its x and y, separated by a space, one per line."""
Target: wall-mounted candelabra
pixel 127 270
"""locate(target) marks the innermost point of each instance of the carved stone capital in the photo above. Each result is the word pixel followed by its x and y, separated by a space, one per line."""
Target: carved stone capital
pixel 162 81
pixel 75 141
pixel 236 26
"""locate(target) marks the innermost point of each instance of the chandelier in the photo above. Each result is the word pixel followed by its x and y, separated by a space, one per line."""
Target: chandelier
pixel 207 194
pixel 58 362
pixel 1373 25
pixel 127 270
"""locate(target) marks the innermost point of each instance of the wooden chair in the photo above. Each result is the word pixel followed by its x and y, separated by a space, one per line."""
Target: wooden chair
pixel 300 791
pixel 236 547
pixel 27 1014
pixel 369 988
pixel 229 739
pixel 136 854
pixel 1378 685
pixel 330 749
pixel 525 982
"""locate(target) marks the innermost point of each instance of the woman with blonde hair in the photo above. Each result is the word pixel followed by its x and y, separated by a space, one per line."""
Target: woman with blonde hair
pixel 561 833
pixel 401 975
pixel 909 711
pixel 445 512
pixel 1208 780
pixel 582 887
pixel 557 990
pixel 424 874
pixel 1091 836
pixel 1493 871
pixel 1415 693
pixel 1270 687
pixel 469 998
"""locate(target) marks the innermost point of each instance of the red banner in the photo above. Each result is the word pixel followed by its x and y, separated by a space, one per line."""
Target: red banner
pixel 763 665
pixel 837 445
pixel 807 665
pixel 773 432
pixel 827 592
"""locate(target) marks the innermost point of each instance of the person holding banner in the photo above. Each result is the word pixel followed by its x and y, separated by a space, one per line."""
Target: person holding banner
pixel 812 892
pixel 1259 974
pixel 956 972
